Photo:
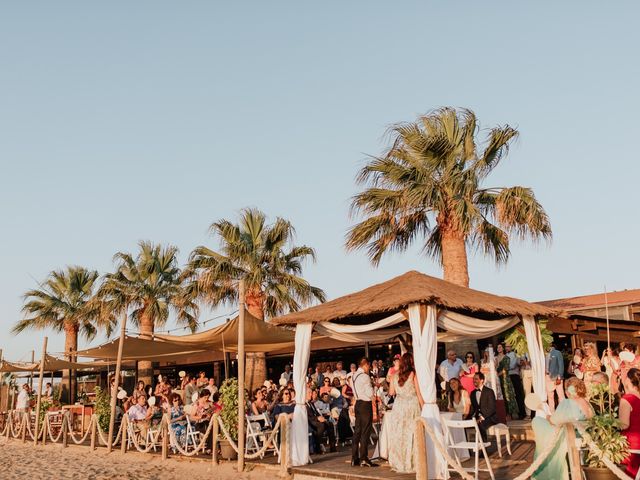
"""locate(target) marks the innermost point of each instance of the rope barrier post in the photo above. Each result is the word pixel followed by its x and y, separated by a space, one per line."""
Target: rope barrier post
pixel 25 419
pixel 165 440
pixel 214 449
pixel 38 402
pixel 420 453
pixel 284 443
pixel 114 390
pixel 93 435
pixel 574 455
pixel 65 438
pixel 123 440
pixel 241 406
pixel 45 426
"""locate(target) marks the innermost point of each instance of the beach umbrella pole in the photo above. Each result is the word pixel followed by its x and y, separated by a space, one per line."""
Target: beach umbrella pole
pixel 40 378
pixel 241 407
pixel 116 379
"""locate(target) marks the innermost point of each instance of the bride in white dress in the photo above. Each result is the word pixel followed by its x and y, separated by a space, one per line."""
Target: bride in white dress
pixel 406 408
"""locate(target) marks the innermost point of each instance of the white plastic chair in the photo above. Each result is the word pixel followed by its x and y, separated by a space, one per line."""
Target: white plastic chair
pixel 476 446
pixel 153 434
pixel 192 436
pixel 498 430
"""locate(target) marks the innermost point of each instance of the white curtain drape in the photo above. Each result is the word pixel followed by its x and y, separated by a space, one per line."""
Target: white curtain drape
pixel 536 355
pixel 367 327
pixel 375 336
pixel 461 326
pixel 299 424
pixel 425 351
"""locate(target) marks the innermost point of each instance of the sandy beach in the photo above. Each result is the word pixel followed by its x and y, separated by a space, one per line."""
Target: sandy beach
pixel 19 461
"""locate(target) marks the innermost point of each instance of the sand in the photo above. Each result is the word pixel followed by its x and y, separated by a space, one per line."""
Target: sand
pixel 24 461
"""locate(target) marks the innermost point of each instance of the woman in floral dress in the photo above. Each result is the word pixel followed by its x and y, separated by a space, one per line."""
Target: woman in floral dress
pixel 508 392
pixel 178 420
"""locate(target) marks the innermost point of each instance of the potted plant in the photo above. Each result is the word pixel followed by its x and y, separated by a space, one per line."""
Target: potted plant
pixel 229 415
pixel 604 430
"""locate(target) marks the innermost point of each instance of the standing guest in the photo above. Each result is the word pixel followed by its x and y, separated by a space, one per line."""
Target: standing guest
pixel 630 418
pixel 309 375
pixel 483 405
pixel 406 409
pixel 625 364
pixel 48 391
pixel 163 388
pixel 591 362
pixel 508 392
pixel 527 380
pixel 611 362
pixel 347 391
pixel 459 399
pixel 394 368
pixel 575 365
pixel 575 408
pixel 451 367
pixel 516 379
pixel 212 386
pixel 328 373
pixel 469 369
pixel 286 404
pixel 316 376
pixel 339 372
pixel 185 380
pixel 140 391
pixel 190 390
pixel 22 403
pixel 486 367
pixel 363 393
pixel 202 380
pixel 286 375
pixel 555 374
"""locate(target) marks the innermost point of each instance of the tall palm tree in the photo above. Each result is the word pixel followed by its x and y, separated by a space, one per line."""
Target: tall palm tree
pixel 429 185
pixel 146 288
pixel 63 303
pixel 264 257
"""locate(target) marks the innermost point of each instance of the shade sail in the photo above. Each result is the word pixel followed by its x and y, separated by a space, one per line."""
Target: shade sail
pixel 51 364
pixel 136 348
pixel 413 287
pixel 15 367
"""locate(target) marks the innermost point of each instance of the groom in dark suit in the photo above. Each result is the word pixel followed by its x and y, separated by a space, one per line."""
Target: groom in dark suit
pixel 483 405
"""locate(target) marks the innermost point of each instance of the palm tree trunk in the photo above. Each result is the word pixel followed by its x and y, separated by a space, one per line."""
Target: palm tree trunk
pixel 454 257
pixel 70 347
pixel 256 362
pixel 145 368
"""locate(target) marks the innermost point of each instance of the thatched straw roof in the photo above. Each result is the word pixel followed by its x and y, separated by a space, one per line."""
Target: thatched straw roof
pixel 413 287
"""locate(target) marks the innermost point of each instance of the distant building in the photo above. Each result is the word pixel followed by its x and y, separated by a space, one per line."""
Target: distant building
pixel 623 305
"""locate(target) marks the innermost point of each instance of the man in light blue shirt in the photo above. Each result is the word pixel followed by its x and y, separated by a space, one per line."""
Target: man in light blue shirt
pixel 555 376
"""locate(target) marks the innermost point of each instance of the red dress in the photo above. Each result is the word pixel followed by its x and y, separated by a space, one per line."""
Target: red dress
pixel 633 434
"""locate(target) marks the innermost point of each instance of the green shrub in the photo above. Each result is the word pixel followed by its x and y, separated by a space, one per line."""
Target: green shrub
pixel 229 400
pixel 604 428
pixel 103 408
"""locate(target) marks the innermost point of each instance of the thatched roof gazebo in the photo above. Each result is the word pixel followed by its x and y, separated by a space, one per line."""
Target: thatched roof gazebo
pixel 432 309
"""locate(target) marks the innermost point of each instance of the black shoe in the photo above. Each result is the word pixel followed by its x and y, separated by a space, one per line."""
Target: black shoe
pixel 368 463
pixel 355 463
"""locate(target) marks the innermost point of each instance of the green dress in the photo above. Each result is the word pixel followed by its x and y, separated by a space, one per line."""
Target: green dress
pixel 508 393
pixel 555 467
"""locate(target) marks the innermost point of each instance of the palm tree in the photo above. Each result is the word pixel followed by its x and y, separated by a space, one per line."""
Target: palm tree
pixel 429 185
pixel 263 256
pixel 63 303
pixel 146 288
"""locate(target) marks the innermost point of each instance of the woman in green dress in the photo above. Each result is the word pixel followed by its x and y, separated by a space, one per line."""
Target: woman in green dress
pixel 508 392
pixel 574 408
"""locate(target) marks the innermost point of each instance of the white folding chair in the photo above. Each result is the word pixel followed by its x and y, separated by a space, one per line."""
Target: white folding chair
pixel 133 432
pixel 153 434
pixel 192 436
pixel 498 430
pixel 256 436
pixel 476 446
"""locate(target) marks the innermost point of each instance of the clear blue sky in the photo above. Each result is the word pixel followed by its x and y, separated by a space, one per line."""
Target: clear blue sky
pixel 122 121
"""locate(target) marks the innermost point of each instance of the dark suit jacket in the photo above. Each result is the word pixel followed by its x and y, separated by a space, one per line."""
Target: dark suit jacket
pixel 486 408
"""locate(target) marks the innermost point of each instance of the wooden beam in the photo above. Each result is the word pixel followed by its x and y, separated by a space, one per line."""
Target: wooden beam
pixel 40 378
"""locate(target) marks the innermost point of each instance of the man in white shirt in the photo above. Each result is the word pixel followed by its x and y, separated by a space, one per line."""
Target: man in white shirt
pixel 363 394
pixel 451 367
pixel 516 379
pixel 286 375
pixel 22 403
pixel 339 372
pixel 189 390
pixel 138 414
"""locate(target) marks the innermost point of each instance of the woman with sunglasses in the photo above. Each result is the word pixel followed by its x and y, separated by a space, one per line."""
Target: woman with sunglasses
pixel 326 386
pixel 286 404
pixel 469 369
pixel 178 420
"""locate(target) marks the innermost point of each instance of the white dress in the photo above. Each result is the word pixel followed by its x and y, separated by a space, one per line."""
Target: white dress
pixel 406 409
pixel 464 400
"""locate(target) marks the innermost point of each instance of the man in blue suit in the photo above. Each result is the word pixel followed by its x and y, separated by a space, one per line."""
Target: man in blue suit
pixel 555 376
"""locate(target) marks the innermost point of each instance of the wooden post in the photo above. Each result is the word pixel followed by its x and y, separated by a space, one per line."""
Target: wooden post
pixel 420 451
pixel 574 455
pixel 94 427
pixel 284 444
pixel 165 440
pixel 241 407
pixel 366 350
pixel 116 379
pixel 65 431
pixel 45 425
pixel 25 420
pixel 123 437
pixel 214 450
pixel 44 354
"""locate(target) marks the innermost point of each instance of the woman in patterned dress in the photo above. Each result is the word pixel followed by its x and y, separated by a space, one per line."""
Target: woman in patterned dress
pixel 508 392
